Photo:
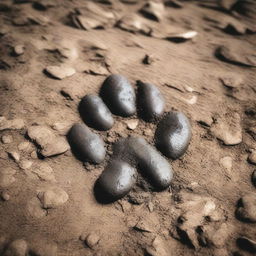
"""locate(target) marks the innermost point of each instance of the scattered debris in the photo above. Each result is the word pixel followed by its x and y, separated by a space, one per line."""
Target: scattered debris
pixel 6 177
pixel 181 37
pixel 246 210
pixel 157 248
pixel 134 23
pixel 18 50
pixel 25 164
pixel 17 248
pixel 228 129
pixel 153 10
pixel 43 171
pixel 132 123
pixel 34 208
pixel 6 139
pixel 59 72
pixel 53 197
pixel 14 124
pixel 235 56
pixel 252 157
pixel 199 213
pixel 92 240
pixel 48 142
pixel 148 59
pixel 14 155
pixel 226 162
pixel 5 196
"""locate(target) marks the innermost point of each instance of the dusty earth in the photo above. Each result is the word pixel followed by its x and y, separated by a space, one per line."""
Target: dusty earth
pixel 200 54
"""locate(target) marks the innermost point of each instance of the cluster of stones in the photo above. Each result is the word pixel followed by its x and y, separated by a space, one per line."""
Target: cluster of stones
pixel 118 97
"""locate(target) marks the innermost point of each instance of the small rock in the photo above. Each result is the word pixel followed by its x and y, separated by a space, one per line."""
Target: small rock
pixel 254 178
pixel 246 210
pixel 5 195
pixel 173 3
pixel 216 236
pixel 40 246
pixel 195 211
pixel 233 55
pixel 247 244
pixel 25 146
pixel 227 4
pixel 228 129
pixel 18 50
pixel 25 164
pixel 153 10
pixel 50 144
pixel 252 157
pixel 134 23
pixel 60 72
pixel 6 177
pixel 15 124
pixel 181 37
pixel 52 198
pixel 62 127
pixel 143 226
pixel 157 248
pixel 34 208
pixel 232 81
pixel 148 59
pixel 14 155
pixel 6 139
pixel 92 240
pixel 17 248
pixel 226 162
pixel 132 124
pixel 44 171
pixel 34 154
pixel 150 206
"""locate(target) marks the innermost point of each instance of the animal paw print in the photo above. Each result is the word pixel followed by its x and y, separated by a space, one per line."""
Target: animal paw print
pixel 117 96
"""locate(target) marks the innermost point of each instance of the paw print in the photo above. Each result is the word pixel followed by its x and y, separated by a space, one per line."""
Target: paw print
pixel 118 97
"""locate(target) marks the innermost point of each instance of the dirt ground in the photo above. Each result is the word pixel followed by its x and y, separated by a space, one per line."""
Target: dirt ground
pixel 201 56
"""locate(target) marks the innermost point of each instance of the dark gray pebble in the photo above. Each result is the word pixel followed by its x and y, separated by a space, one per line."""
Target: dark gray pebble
pixel 150 101
pixel 85 144
pixel 95 113
pixel 119 95
pixel 150 162
pixel 173 135
pixel 117 179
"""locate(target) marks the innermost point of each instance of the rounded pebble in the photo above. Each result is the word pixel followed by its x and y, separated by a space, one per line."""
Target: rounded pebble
pixel 92 240
pixel 95 113
pixel 150 101
pixel 119 95
pixel 86 145
pixel 52 198
pixel 117 180
pixel 150 162
pixel 173 135
pixel 6 139
pixel 5 196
